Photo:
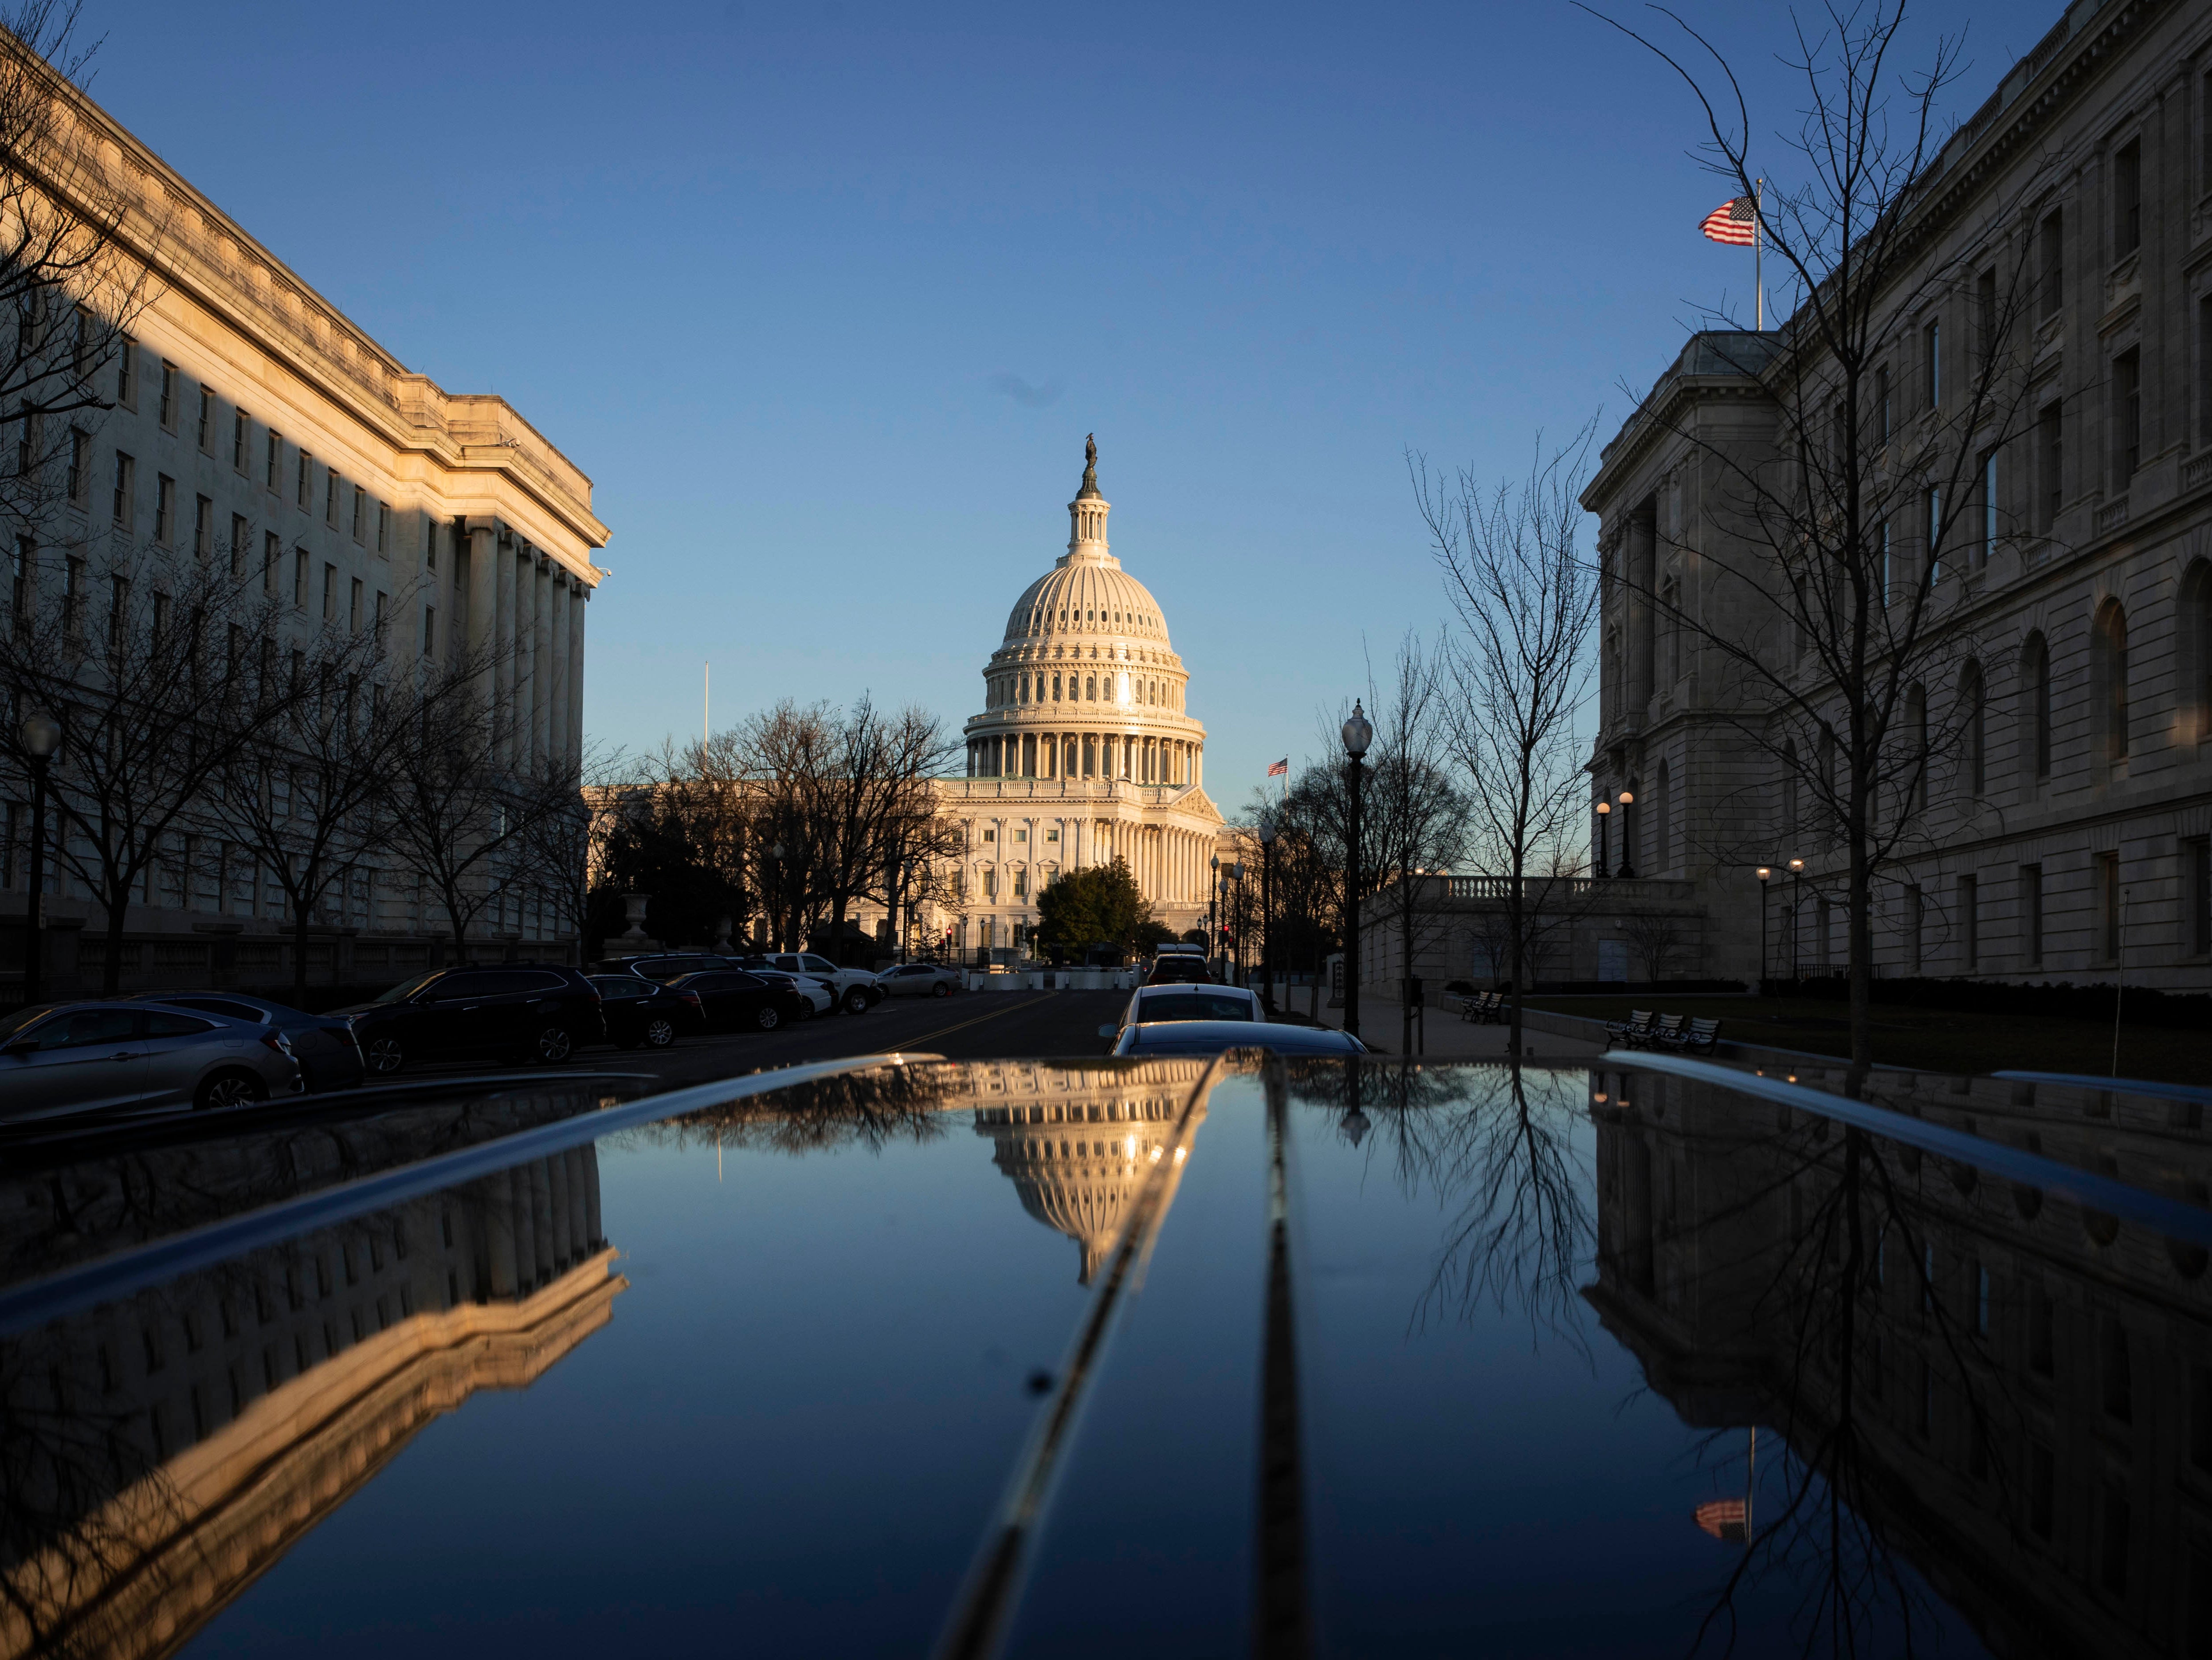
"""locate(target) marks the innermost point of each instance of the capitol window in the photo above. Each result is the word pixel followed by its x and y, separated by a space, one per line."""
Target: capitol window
pixel 990 836
pixel 1052 836
pixel 1021 836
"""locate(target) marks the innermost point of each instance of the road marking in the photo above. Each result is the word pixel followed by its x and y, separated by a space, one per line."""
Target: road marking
pixel 962 1026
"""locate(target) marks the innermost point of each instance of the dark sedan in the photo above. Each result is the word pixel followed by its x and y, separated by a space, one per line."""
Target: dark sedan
pixel 513 1012
pixel 644 1013
pixel 734 1001
pixel 324 1045
pixel 1184 970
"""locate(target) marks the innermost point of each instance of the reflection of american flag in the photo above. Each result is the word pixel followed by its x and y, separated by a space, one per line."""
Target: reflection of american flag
pixel 1724 1518
pixel 1280 769
pixel 1734 221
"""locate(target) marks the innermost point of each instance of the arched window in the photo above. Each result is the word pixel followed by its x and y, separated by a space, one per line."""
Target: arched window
pixel 2196 648
pixel 2108 667
pixel 1973 728
pixel 1916 734
pixel 2035 703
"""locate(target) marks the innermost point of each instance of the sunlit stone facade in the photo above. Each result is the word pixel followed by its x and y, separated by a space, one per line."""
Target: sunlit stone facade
pixel 1084 752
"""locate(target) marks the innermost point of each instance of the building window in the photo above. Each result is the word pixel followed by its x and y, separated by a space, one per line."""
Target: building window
pixel 1988 505
pixel 2030 915
pixel 300 483
pixel 1935 534
pixel 1931 342
pixel 430 630
pixel 2051 444
pixel 126 374
pixel 383 525
pixel 2035 694
pixel 381 597
pixel 80 475
pixel 2127 199
pixel 2109 662
pixel 205 437
pixel 2196 895
pixel 124 468
pixel 2050 278
pixel 353 607
pixel 2127 416
pixel 429 542
pixel 330 497
pixel 240 540
pixel 165 410
pixel 165 508
pixel 1970 921
pixel 275 459
pixel 204 527
pixel 269 554
pixel 299 578
pixel 238 433
pixel 329 593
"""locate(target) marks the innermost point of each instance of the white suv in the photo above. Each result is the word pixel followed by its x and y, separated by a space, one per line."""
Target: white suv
pixel 856 989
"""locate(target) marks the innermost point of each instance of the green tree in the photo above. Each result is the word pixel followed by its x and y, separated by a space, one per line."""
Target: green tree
pixel 1099 906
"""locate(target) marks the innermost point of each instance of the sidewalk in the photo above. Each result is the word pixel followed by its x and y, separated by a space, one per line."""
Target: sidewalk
pixel 1449 1037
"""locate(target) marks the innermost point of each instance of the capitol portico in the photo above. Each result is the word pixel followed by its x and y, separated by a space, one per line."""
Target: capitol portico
pixel 1083 751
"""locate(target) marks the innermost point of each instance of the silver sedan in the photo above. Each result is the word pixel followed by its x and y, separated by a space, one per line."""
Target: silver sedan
pixel 919 980
pixel 84 1057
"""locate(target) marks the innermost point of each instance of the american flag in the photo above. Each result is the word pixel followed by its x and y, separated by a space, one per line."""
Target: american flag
pixel 1725 1518
pixel 1735 221
pixel 1280 769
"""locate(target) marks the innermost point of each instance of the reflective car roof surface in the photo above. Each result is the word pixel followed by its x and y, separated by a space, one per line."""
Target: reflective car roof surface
pixel 1193 1357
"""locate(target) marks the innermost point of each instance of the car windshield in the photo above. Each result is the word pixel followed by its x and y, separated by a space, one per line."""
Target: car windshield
pixel 1194 1004
pixel 407 988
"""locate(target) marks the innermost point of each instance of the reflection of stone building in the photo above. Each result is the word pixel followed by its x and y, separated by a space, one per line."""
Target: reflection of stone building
pixel 1078 1142
pixel 2032 1395
pixel 211 1423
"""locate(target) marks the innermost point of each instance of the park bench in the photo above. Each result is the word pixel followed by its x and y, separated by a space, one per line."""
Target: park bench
pixel 1478 1007
pixel 1633 1030
pixel 1667 1033
pixel 1698 1037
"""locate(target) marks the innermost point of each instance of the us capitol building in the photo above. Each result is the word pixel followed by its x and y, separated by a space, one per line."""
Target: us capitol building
pixel 1084 751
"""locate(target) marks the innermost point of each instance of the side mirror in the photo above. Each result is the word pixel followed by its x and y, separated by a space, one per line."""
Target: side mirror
pixel 1107 1032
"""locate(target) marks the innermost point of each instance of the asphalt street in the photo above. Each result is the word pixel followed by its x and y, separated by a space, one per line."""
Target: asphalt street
pixel 965 1026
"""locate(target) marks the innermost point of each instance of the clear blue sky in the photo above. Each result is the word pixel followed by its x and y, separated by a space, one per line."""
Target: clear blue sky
pixel 825 298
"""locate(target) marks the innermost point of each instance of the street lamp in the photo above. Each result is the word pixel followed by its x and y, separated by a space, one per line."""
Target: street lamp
pixel 1627 853
pixel 1268 833
pixel 1796 905
pixel 1604 818
pixel 1213 911
pixel 41 735
pixel 1765 876
pixel 1358 735
pixel 1236 931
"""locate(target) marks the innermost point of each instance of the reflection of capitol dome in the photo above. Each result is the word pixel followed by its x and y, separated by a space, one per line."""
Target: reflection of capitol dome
pixel 1078 1145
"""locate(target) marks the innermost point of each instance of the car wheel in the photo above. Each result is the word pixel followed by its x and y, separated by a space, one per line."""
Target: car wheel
pixel 384 1054
pixel 806 1010
pixel 942 988
pixel 856 1001
pixel 228 1089
pixel 554 1045
pixel 766 1018
pixel 659 1032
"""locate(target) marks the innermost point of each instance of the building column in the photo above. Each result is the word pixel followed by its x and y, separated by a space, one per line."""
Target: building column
pixel 541 658
pixel 561 603
pixel 579 598
pixel 482 600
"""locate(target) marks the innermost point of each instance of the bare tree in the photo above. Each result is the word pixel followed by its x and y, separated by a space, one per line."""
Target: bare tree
pixel 1525 603
pixel 564 849
pixel 143 657
pixel 1836 548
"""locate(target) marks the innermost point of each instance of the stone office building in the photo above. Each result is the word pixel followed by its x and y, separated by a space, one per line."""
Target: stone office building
pixel 2071 839
pixel 251 420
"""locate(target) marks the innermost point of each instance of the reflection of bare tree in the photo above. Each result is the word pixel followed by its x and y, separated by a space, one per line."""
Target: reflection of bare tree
pixel 1817 1278
pixel 872 1108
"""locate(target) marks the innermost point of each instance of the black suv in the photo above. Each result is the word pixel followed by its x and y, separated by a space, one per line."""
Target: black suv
pixel 525 1011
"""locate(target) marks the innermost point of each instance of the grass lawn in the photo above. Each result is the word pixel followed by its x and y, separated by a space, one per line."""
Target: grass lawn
pixel 1930 1040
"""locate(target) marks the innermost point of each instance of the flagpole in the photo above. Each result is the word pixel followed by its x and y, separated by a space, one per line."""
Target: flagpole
pixel 1758 254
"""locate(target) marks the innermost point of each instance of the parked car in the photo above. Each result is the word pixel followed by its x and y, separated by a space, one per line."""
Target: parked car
pixel 1179 971
pixel 667 965
pixel 733 1000
pixel 641 1012
pixel 856 989
pixel 526 1011
pixel 1154 1005
pixel 324 1045
pixel 1212 1037
pixel 919 980
pixel 82 1057
pixel 816 996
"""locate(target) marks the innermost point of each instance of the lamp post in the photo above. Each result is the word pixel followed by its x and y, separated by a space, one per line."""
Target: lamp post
pixel 1267 909
pixel 41 734
pixel 1237 930
pixel 1627 853
pixel 775 895
pixel 1214 910
pixel 1604 818
pixel 1358 735
pixel 1797 905
pixel 906 917
pixel 1765 876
